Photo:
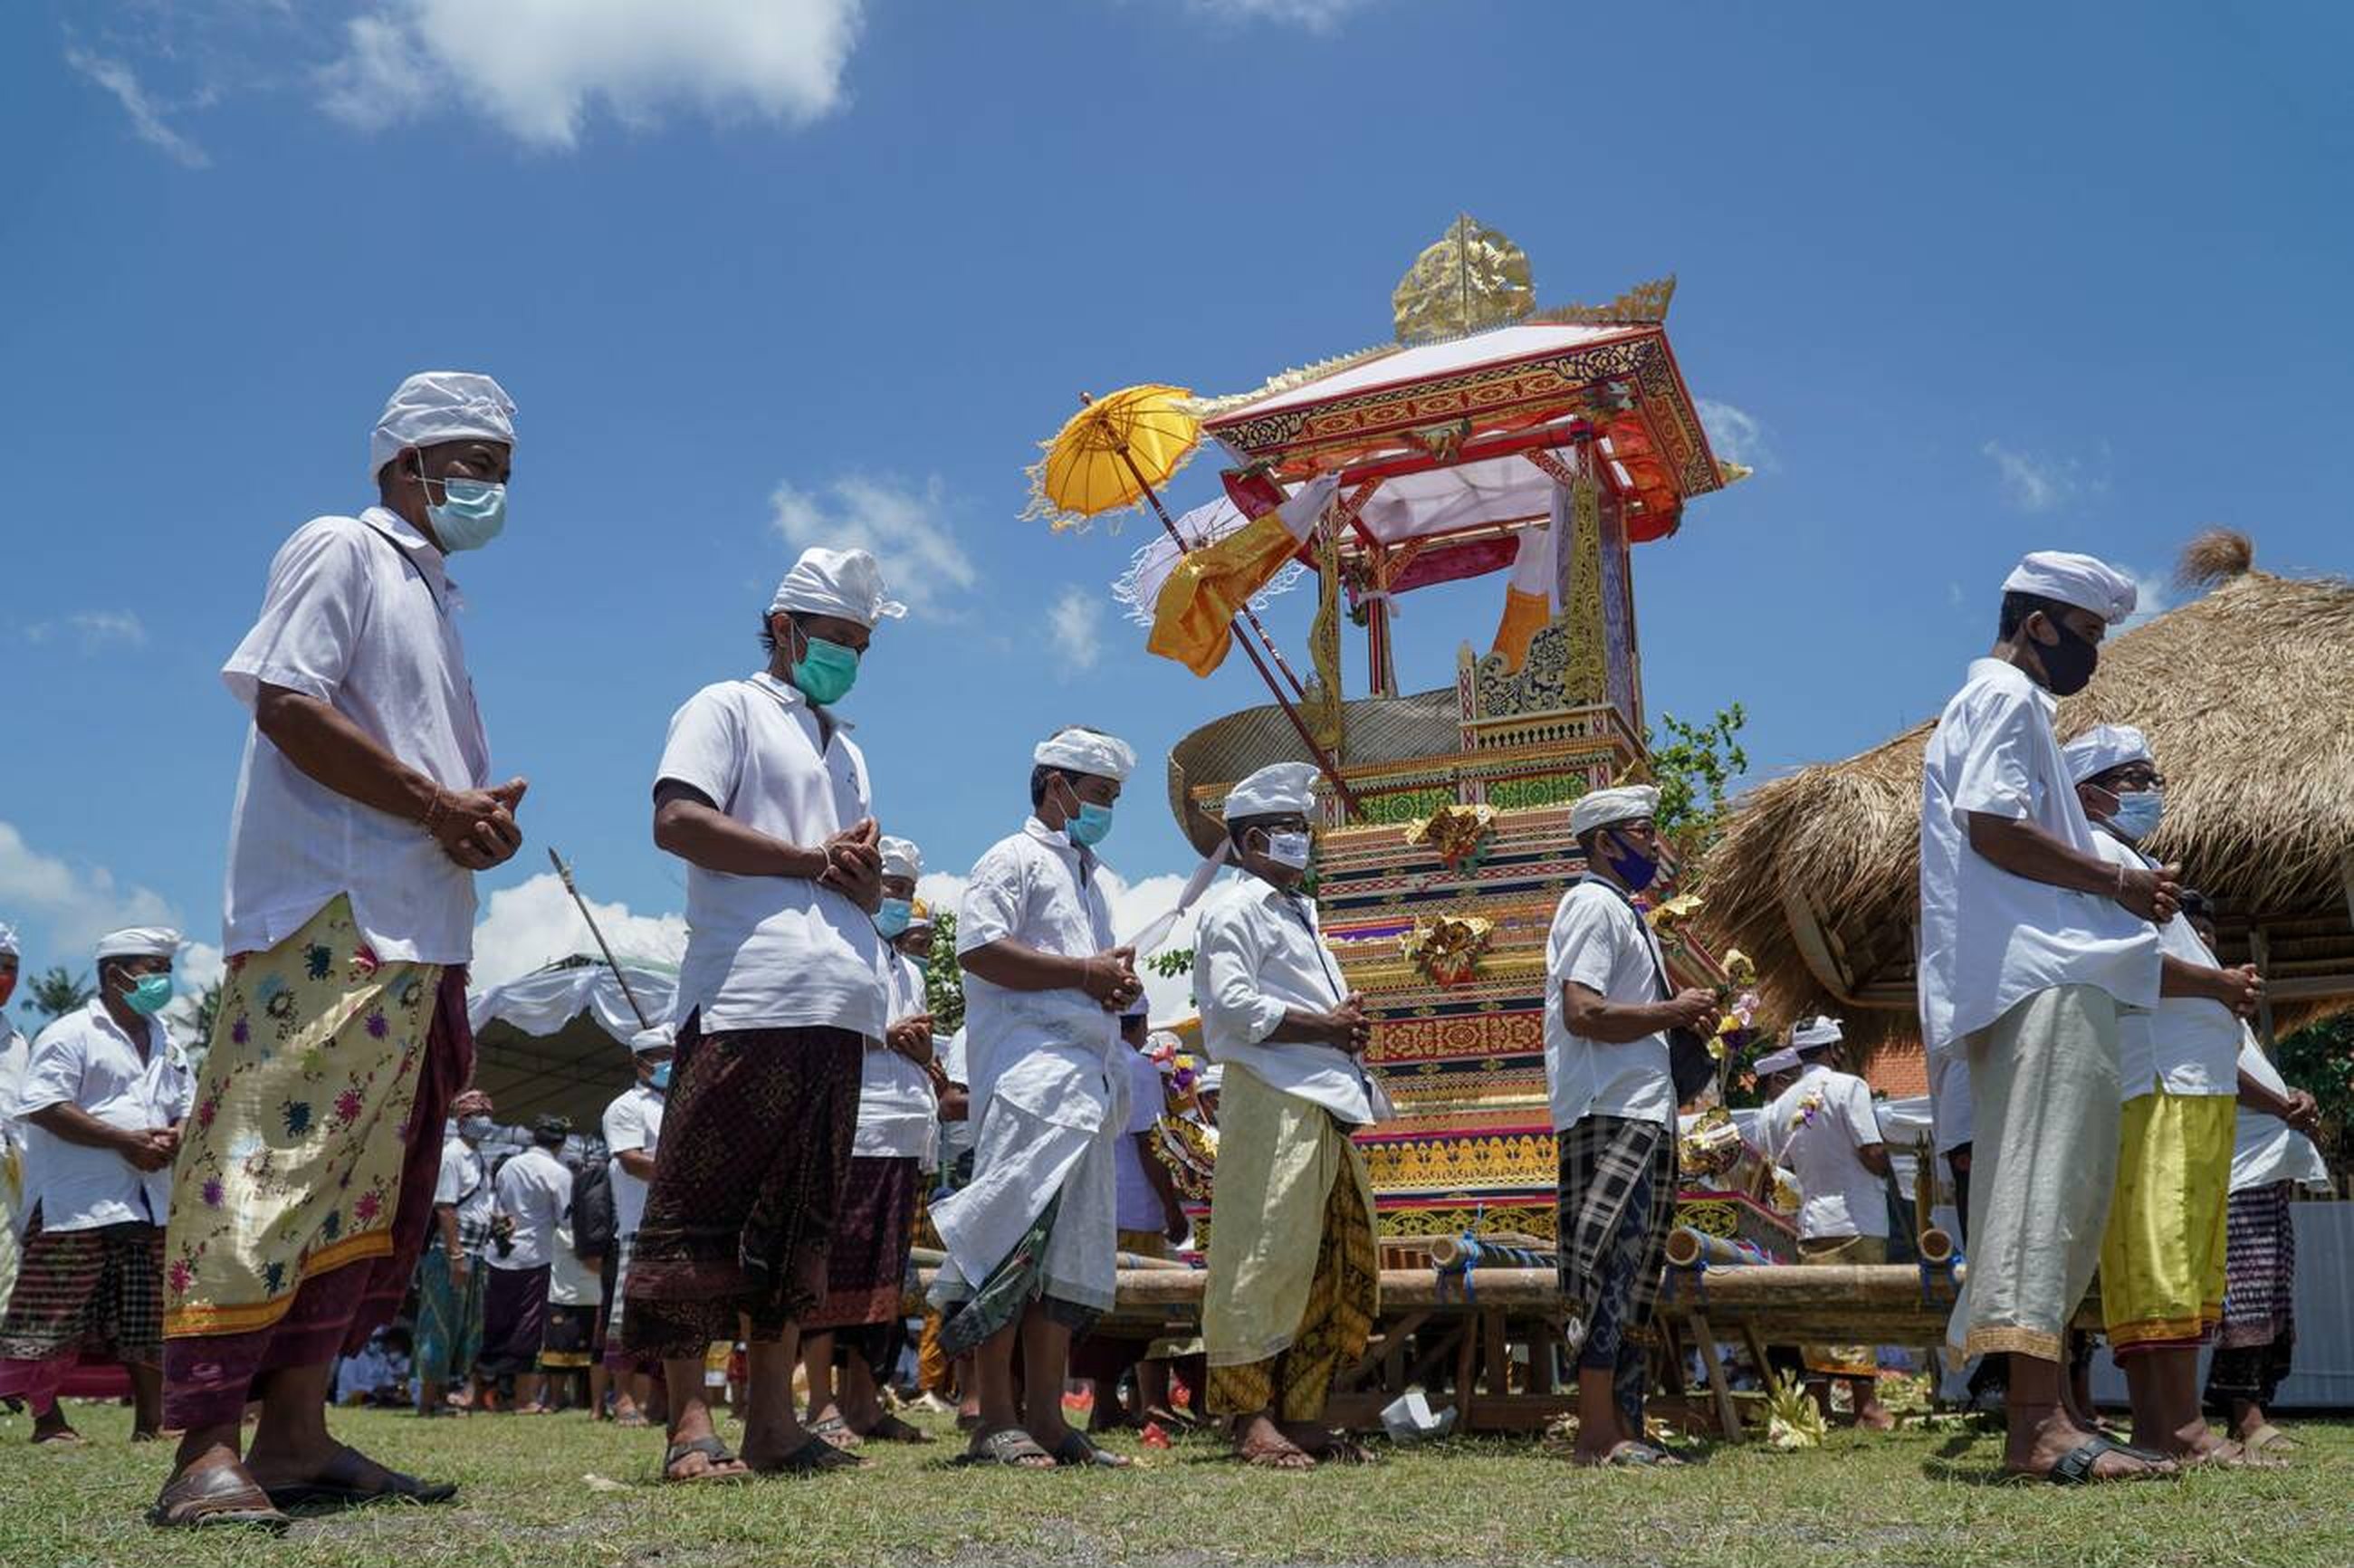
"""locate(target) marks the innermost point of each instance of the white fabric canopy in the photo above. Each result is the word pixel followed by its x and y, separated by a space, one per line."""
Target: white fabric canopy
pixel 1426 361
pixel 544 1001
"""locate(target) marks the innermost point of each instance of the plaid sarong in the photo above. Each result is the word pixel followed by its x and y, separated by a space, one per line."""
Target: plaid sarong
pixel 1618 1199
pixel 94 1294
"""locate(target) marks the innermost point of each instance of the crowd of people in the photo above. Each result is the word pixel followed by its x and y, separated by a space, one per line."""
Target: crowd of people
pixel 239 1235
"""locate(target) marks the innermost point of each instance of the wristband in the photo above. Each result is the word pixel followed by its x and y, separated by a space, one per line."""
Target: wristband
pixel 435 811
pixel 2121 885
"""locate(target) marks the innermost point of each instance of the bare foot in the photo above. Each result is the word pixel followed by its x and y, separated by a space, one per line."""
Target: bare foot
pixel 1875 1418
pixel 1263 1445
pixel 2055 1437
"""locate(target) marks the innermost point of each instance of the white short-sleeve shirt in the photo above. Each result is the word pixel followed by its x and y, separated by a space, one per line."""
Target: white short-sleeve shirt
pixel 2265 1149
pixel 15 1052
pixel 533 1190
pixel 463 1184
pixel 955 1137
pixel 1953 1111
pixel 1813 1128
pixel 1599 942
pixel 84 1059
pixel 1990 939
pixel 2187 1045
pixel 898 1114
pixel 358 614
pixel 773 952
pixel 1257 954
pixel 1048 1052
pixel 634 1122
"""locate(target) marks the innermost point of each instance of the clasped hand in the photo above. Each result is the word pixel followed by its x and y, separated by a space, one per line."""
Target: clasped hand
pixel 476 828
pixel 853 865
pixel 1110 979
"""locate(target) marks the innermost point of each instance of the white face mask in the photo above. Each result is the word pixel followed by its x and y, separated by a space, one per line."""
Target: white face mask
pixel 1288 850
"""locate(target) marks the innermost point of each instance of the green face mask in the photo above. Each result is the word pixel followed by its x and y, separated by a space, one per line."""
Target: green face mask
pixel 825 671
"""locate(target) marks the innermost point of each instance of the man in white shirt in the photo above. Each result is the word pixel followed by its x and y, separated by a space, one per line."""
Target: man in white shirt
pixel 632 1133
pixel 533 1190
pixel 762 793
pixel 104 1099
pixel 2031 945
pixel 2162 1252
pixel 866 1272
pixel 1030 1241
pixel 1825 1130
pixel 1295 1270
pixel 364 810
pixel 2272 1154
pixel 450 1280
pixel 15 1049
pixel 1609 1007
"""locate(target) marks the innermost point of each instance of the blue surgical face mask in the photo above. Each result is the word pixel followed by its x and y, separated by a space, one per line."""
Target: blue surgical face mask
pixel 149 994
pixel 474 1128
pixel 1630 865
pixel 471 513
pixel 659 1079
pixel 892 917
pixel 1090 825
pixel 1289 849
pixel 2138 813
pixel 825 671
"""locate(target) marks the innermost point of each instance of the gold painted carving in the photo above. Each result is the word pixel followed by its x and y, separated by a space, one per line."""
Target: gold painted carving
pixel 1471 279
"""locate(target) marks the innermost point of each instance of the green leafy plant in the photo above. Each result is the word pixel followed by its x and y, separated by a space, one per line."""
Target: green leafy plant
pixel 1694 769
pixel 2319 1059
pixel 57 992
pixel 943 980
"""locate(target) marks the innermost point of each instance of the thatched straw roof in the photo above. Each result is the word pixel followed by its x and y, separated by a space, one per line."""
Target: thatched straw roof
pixel 2247 697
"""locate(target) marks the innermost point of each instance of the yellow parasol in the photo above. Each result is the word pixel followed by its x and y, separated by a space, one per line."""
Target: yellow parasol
pixel 1111 454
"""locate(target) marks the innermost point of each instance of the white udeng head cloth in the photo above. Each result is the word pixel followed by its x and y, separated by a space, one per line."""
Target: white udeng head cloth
pixel 902 858
pixel 661 1037
pixel 844 584
pixel 1081 751
pixel 2102 747
pixel 1775 1062
pixel 2085 581
pixel 139 942
pixel 8 939
pixel 1620 803
pixel 1813 1033
pixel 1278 790
pixel 436 406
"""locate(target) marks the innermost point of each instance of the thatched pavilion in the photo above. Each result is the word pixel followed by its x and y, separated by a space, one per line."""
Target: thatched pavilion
pixel 2247 697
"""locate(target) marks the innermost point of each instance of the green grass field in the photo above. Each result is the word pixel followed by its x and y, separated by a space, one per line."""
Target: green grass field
pixel 557 1489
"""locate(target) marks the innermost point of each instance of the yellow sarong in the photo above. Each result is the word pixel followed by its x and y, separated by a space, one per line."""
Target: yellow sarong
pixel 2162 1254
pixel 1295 1274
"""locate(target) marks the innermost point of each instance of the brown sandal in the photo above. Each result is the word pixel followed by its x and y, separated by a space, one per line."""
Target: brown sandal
pixel 219 1495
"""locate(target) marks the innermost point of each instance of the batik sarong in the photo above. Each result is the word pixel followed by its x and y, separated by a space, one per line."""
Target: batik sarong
pixel 739 1218
pixel 2043 1165
pixel 1617 1199
pixel 304 1185
pixel 2162 1255
pixel 2256 1344
pixel 866 1270
pixel 449 1319
pixel 1294 1271
pixel 515 1321
pixel 565 1347
pixel 1822 1252
pixel 81 1296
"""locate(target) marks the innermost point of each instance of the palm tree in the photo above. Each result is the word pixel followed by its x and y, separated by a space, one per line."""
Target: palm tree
pixel 57 991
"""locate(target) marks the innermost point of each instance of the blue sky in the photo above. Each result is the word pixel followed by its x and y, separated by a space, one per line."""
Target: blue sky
pixel 1958 282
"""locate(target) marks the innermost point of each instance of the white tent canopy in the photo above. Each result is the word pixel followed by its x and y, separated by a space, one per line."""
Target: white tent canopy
pixel 557 1039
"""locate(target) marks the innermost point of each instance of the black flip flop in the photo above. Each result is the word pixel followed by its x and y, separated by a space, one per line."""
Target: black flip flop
pixel 1007 1447
pixel 711 1448
pixel 1076 1452
pixel 815 1457
pixel 2076 1467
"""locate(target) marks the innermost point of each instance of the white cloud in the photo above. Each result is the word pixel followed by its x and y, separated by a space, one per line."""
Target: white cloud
pixel 1316 15
pixel 1075 625
pixel 540 69
pixel 146 114
pixel 2153 597
pixel 1736 434
pixel 93 630
pixel 2034 482
pixel 924 564
pixel 534 923
pixel 75 904
pixel 1133 906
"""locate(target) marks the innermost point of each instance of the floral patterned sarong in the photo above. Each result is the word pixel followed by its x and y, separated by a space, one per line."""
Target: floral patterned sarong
pixel 317 1120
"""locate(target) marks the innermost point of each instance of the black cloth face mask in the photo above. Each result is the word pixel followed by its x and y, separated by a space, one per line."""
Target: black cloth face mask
pixel 2069 663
